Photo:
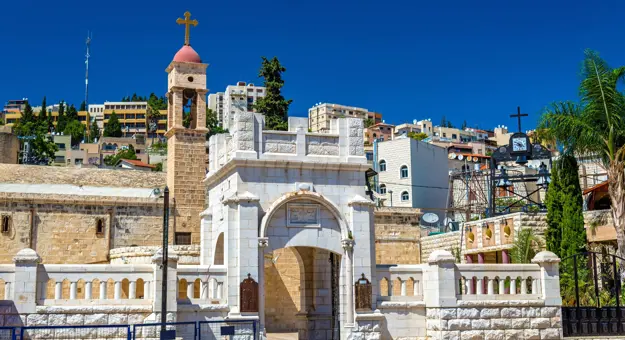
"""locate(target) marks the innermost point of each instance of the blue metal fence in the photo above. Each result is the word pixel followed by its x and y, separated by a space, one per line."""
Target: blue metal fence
pixel 113 332
pixel 197 330
pixel 7 333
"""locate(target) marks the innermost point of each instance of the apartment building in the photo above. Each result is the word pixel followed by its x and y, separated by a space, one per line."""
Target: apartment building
pixel 133 118
pixel 424 126
pixel 380 131
pixel 96 113
pixel 239 98
pixel 216 104
pixel 321 114
pixel 412 173
pixel 12 110
pixel 53 111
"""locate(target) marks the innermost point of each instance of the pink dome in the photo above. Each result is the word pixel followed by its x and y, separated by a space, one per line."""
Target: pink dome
pixel 187 55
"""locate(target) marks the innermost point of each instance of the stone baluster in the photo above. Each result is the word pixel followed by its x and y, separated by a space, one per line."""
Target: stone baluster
pixel 513 285
pixel 204 293
pixel 480 286
pixel 403 288
pixel 467 284
pixel 491 286
pixel 73 290
pixel 88 290
pixel 502 286
pixel 132 287
pixel 146 289
pixel 220 288
pixel 390 288
pixel 43 290
pixel 8 295
pixel 523 286
pixel 118 290
pixel 190 290
pixel 534 286
pixel 103 290
pixel 58 290
pixel 415 288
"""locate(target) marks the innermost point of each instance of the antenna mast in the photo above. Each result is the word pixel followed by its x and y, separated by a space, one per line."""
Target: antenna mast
pixel 88 42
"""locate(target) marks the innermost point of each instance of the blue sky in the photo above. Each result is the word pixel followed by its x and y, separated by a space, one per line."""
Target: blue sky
pixel 468 60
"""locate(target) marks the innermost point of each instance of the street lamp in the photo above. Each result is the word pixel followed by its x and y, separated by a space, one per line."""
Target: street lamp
pixel 390 193
pixel 503 181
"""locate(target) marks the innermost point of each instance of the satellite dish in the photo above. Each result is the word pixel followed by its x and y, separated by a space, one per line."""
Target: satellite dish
pixel 430 218
pixel 460 157
pixel 452 155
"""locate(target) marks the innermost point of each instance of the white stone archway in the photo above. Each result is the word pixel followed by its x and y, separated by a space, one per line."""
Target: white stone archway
pixel 307 219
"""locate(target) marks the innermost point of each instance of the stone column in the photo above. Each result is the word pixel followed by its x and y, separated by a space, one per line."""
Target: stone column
pixel 505 257
pixel 439 280
pixel 88 292
pixel 263 242
pixel 25 281
pixel 550 289
pixel 348 247
pixel 132 290
pixel 206 237
pixel 172 284
pixel 468 258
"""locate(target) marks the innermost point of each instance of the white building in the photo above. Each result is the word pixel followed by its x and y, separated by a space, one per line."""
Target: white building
pixel 216 104
pixel 96 112
pixel 413 174
pixel 237 99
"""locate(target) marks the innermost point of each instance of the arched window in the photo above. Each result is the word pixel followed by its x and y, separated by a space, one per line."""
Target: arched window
pixel 99 226
pixel 382 189
pixel 6 224
pixel 382 165
pixel 403 171
pixel 405 196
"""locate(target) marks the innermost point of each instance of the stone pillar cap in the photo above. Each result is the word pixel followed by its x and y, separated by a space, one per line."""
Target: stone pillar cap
pixel 546 256
pixel 441 256
pixel 26 256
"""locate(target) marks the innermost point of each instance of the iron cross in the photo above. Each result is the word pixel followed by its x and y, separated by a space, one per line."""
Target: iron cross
pixel 186 22
pixel 518 116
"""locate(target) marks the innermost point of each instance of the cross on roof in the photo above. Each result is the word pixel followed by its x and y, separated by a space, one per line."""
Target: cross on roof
pixel 518 116
pixel 186 22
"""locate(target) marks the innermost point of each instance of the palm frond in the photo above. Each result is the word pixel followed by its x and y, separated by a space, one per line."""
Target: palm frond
pixel 525 246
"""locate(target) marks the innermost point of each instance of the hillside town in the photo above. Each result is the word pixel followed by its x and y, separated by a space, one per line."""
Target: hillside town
pixel 201 214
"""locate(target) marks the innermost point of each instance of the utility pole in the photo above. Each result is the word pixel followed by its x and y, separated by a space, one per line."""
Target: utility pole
pixel 165 258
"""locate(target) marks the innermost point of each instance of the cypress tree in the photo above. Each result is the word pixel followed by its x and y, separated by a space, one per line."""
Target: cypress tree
pixel 553 235
pixel 43 114
pixel 573 231
pixel 273 105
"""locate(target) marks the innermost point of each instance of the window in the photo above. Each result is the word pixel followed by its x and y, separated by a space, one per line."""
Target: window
pixel 454 136
pixel 183 239
pixel 99 227
pixel 403 171
pixel 61 146
pixel 59 159
pixel 405 196
pixel 382 189
pixel 382 165
pixel 6 224
pixel 444 135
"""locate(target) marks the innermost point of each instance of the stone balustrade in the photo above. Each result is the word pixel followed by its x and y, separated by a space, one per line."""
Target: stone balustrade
pixel 7 274
pixel 201 284
pixel 58 283
pixel 497 282
pixel 400 282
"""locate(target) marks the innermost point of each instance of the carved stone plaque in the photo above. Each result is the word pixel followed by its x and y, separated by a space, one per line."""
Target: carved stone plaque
pixel 249 295
pixel 303 215
pixel 363 293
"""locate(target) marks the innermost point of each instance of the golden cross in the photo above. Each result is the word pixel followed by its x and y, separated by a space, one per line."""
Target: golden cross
pixel 186 22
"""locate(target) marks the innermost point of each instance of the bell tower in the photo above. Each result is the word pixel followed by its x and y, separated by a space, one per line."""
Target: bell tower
pixel 186 137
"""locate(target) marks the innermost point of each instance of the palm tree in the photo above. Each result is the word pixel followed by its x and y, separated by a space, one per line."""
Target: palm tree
pixel 525 246
pixel 596 126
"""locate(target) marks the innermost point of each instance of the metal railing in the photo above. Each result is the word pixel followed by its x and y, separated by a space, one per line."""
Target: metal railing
pixel 194 330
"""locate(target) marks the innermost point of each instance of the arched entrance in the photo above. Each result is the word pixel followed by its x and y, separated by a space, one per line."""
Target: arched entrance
pixel 304 269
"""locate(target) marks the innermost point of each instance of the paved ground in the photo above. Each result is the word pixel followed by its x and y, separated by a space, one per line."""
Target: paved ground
pixel 281 336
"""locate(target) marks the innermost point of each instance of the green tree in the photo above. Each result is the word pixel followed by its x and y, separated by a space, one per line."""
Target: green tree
pixel 83 106
pixel 43 114
pixel 113 128
pixel 443 121
pixel 94 132
pixel 134 98
pixel 1 121
pixel 159 167
pixel 212 123
pixel 449 124
pixel 42 148
pixel 368 122
pixel 526 246
pixel 76 130
pixel 596 126
pixel 273 105
pixel 464 125
pixel 417 135
pixel 553 201
pixel 128 153
pixel 28 116
pixel 573 230
pixel 61 121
